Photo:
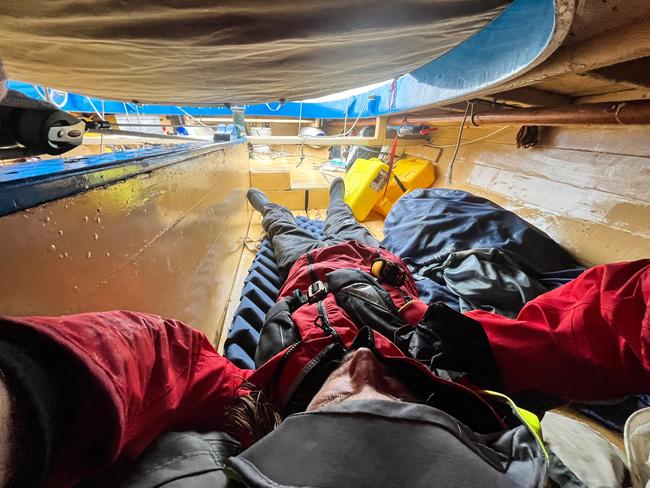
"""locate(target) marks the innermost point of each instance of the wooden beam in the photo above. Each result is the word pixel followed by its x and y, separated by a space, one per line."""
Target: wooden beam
pixel 531 97
pixel 614 46
pixel 314 141
pixel 257 120
pixel 617 96
pixel 377 140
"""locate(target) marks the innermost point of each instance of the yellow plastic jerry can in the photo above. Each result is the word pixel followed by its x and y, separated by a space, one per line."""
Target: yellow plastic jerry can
pixel 408 174
pixel 364 185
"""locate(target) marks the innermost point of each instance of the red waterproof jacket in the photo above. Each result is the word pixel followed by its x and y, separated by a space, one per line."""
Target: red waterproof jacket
pixel 144 375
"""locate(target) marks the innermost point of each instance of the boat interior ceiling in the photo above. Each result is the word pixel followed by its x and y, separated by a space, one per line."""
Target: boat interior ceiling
pixel 542 106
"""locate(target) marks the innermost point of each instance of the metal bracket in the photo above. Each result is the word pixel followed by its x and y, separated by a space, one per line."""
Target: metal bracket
pixel 70 134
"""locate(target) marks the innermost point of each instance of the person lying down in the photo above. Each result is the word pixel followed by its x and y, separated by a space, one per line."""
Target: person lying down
pixel 358 382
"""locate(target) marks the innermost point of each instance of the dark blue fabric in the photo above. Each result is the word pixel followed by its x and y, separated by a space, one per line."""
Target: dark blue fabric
pixel 614 415
pixel 426 226
pixel 259 293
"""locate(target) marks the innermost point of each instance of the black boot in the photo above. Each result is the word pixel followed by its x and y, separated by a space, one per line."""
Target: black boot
pixel 337 189
pixel 257 199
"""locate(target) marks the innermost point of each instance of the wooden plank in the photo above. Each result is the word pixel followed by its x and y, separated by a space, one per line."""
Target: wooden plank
pixel 594 18
pixel 582 84
pixel 617 96
pixel 318 198
pixel 583 223
pixel 377 140
pixel 614 438
pixel 592 243
pixel 167 243
pixel 529 96
pixel 624 176
pixel 316 141
pixel 255 120
pixel 623 44
pixel 624 140
pixel 375 224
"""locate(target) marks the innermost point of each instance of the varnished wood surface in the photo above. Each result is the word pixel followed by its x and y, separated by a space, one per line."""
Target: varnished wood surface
pixel 167 242
pixel 587 187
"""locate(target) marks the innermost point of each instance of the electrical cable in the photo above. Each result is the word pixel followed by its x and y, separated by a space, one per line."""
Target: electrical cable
pixel 450 169
pixel 126 112
pixel 469 142
pixel 347 108
pixel 348 131
pixel 103 118
pixel 194 118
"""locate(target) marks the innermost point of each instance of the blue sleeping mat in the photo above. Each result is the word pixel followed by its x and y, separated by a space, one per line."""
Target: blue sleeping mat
pixel 260 291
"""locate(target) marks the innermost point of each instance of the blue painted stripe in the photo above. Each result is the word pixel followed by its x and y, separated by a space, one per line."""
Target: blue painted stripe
pixel 25 185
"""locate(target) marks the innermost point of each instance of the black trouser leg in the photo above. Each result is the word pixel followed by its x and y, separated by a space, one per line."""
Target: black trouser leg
pixel 288 240
pixel 341 225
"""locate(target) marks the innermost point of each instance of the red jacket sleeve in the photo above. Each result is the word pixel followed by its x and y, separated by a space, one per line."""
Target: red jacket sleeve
pixel 144 375
pixel 586 340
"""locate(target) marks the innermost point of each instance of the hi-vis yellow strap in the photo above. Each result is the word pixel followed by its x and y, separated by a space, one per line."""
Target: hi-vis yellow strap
pixel 528 418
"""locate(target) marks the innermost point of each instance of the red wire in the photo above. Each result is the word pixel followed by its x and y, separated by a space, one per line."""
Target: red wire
pixel 391 161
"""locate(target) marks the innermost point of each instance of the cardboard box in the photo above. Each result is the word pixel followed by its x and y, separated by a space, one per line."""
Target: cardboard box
pixel 271 180
pixel 292 199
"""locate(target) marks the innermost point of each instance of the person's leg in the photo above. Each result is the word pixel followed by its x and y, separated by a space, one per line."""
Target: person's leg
pixel 340 223
pixel 586 340
pixel 289 241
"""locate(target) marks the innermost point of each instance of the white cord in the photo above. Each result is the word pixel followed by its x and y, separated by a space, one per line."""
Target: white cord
pixel 274 109
pixel 101 136
pixel 347 108
pixel 42 95
pixel 469 142
pixel 95 108
pixel 47 95
pixel 195 119
pixel 348 131
pixel 126 112
pixel 450 169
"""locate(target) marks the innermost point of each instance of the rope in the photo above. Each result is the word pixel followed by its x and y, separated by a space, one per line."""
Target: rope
pixel 126 112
